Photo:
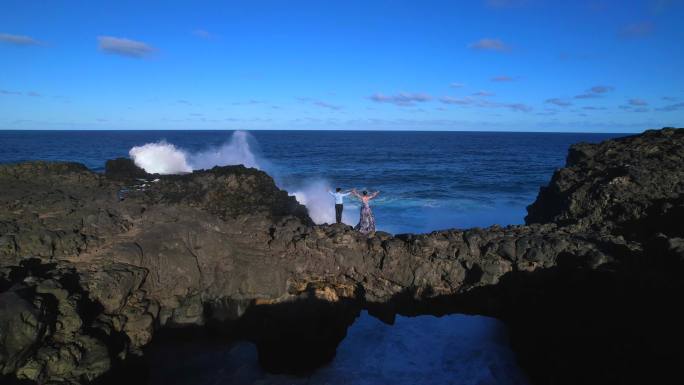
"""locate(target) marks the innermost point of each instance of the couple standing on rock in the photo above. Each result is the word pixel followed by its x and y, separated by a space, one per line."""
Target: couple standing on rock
pixel 367 220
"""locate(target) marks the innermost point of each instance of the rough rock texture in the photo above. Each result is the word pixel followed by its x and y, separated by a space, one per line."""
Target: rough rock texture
pixel 618 185
pixel 589 288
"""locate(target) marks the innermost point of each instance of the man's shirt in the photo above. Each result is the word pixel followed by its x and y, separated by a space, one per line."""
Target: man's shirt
pixel 339 197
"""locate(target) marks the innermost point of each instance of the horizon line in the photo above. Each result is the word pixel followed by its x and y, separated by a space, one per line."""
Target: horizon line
pixel 325 130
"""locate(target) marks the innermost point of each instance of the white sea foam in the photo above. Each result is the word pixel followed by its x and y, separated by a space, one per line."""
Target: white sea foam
pixel 314 195
pixel 236 151
pixel 160 158
pixel 165 158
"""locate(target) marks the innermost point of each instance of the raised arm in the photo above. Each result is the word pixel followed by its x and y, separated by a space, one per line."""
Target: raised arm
pixel 373 195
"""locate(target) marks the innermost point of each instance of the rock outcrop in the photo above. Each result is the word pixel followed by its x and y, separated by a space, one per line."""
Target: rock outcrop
pixel 630 186
pixel 88 274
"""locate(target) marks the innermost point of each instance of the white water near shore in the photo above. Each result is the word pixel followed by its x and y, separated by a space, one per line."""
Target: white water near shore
pixel 165 158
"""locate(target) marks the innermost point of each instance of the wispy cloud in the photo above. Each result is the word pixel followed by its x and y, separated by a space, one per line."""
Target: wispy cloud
pixel 29 93
pixel 249 102
pixel 456 101
pixel 124 47
pixel 634 109
pixel 517 107
pixel 204 34
pixel 601 89
pixel 595 92
pixel 467 101
pixel 635 105
pixel 547 112
pixel 637 102
pixel 483 93
pixel 329 106
pixel 669 98
pixel 672 107
pixel 401 99
pixel 488 44
pixel 18 39
pixel 456 85
pixel 320 103
pixel 183 101
pixel 502 78
pixel 558 102
pixel 593 108
pixel 636 30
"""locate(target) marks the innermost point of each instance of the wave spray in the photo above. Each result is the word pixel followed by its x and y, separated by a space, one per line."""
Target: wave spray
pixel 165 158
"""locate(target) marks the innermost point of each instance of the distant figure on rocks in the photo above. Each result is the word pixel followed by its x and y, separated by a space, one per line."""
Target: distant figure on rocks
pixel 367 220
pixel 339 202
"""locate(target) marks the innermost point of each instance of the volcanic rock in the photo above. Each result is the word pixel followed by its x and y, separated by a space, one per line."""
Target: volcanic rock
pixel 588 287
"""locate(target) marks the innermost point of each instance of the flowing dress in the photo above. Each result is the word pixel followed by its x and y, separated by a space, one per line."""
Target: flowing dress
pixel 367 220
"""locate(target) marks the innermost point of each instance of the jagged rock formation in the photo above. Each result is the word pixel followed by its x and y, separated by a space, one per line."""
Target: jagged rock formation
pixel 87 278
pixel 630 186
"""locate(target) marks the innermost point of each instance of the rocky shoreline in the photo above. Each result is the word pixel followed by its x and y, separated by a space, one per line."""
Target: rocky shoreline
pixel 588 287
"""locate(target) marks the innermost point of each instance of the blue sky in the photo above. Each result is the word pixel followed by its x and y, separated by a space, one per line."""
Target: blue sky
pixel 519 65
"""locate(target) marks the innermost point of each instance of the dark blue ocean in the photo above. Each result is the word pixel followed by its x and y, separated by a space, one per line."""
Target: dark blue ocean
pixel 427 181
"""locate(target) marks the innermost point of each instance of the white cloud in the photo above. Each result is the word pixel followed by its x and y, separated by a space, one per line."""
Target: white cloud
pixel 124 47
pixel 558 102
pixel 323 104
pixel 18 39
pixel 483 93
pixel 401 99
pixel 672 107
pixel 516 107
pixel 595 92
pixel 488 44
pixel 467 101
pixel 457 101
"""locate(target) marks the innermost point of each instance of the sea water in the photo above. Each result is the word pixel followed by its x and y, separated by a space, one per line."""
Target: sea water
pixel 427 181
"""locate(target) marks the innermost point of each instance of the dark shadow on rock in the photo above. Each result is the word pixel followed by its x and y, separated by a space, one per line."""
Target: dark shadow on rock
pixel 571 325
pixel 292 338
pixel 60 302
pixel 298 337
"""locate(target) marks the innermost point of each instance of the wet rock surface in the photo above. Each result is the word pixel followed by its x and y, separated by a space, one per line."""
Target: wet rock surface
pixel 88 277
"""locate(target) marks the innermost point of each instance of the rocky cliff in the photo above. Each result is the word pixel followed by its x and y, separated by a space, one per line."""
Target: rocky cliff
pixel 93 266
